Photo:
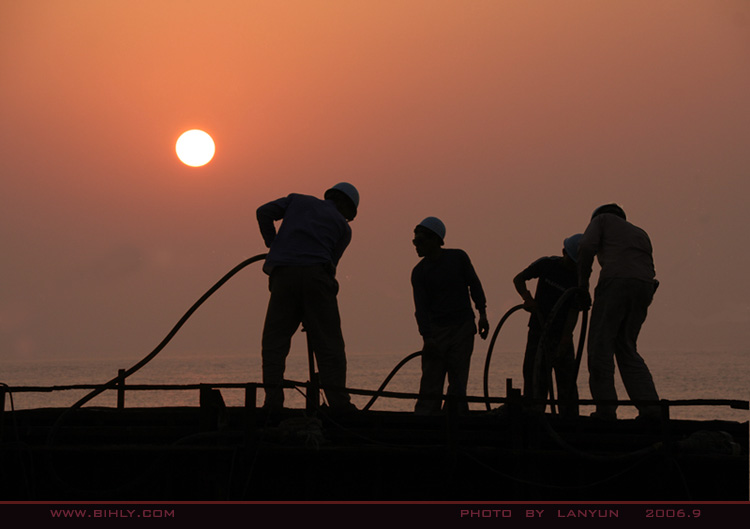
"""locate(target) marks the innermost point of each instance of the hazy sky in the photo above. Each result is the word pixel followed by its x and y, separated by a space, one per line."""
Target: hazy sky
pixel 510 120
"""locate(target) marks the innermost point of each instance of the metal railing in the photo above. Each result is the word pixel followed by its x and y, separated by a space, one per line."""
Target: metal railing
pixel 312 390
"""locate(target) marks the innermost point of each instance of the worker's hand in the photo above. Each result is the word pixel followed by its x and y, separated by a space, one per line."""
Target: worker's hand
pixel 484 327
pixel 529 305
pixel 582 299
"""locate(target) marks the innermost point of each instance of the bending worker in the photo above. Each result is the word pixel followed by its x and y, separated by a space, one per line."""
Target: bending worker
pixel 623 294
pixel 554 276
pixel 301 265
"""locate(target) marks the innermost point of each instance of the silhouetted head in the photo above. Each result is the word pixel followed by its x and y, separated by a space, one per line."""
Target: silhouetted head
pixel 428 236
pixel 436 226
pixel 346 198
pixel 610 208
pixel 570 246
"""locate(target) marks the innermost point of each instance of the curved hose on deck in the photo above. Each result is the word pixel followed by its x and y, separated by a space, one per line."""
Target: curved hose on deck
pixel 164 342
pixel 489 352
pixel 419 353
pixel 389 377
pixel 537 363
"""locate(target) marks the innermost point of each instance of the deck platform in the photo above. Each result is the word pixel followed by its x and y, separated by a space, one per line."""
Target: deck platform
pixel 240 454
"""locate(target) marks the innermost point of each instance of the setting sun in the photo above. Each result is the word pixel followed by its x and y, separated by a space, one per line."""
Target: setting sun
pixel 195 148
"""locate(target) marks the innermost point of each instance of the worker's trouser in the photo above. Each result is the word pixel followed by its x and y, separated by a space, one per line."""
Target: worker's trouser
pixel 619 310
pixel 307 295
pixel 448 353
pixel 557 355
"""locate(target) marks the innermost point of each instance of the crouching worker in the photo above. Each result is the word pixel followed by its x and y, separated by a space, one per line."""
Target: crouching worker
pixel 301 265
pixel 554 276
pixel 444 283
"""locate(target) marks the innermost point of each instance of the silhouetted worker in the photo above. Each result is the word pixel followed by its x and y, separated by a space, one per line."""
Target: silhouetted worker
pixel 301 263
pixel 625 289
pixel 443 281
pixel 554 276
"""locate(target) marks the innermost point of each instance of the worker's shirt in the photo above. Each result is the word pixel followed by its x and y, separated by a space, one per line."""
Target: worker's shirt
pixel 622 249
pixel 443 290
pixel 553 279
pixel 312 232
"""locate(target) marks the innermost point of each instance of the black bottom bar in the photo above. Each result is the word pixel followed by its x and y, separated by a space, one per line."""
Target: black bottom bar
pixel 449 514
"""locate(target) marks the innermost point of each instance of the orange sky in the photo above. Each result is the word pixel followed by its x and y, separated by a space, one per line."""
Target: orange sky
pixel 509 120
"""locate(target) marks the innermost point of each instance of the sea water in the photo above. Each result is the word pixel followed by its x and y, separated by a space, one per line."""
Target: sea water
pixel 678 376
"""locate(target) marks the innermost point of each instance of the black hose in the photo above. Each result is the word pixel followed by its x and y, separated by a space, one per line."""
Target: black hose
pixel 389 377
pixel 537 360
pixel 419 353
pixel 159 347
pixel 489 352
pixel 581 341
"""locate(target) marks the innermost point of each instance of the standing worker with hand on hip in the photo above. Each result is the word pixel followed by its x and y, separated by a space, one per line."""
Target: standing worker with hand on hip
pixel 623 294
pixel 443 282
pixel 301 265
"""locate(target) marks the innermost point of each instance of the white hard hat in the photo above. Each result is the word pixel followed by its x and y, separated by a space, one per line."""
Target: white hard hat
pixel 435 225
pixel 350 192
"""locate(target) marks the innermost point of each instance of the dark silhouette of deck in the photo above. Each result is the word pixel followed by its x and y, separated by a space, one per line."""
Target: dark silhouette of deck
pixel 212 452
